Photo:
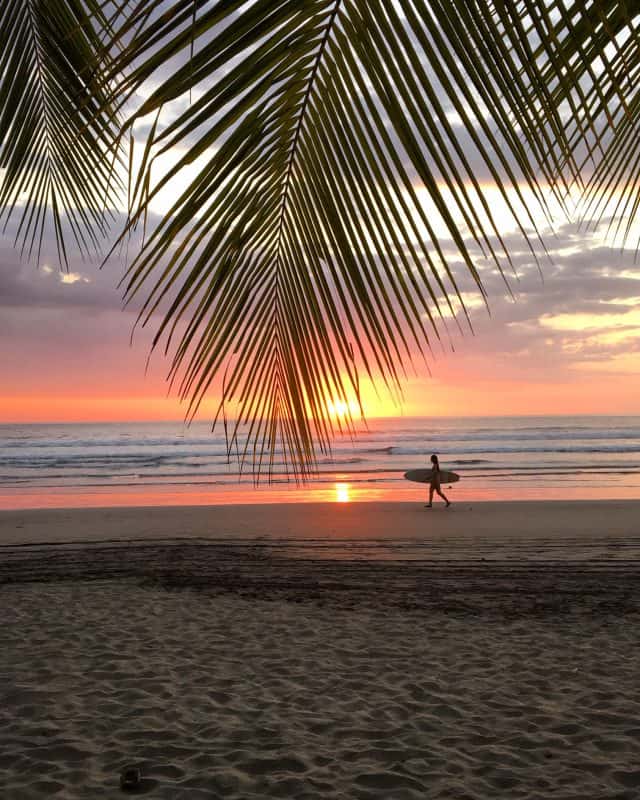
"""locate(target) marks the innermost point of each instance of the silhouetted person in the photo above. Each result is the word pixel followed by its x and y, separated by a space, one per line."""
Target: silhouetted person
pixel 434 486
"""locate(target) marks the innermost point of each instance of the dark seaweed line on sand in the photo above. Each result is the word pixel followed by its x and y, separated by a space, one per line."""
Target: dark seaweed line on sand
pixel 272 543
pixel 467 585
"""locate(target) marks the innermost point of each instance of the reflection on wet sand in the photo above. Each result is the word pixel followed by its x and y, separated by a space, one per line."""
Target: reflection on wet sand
pixel 162 495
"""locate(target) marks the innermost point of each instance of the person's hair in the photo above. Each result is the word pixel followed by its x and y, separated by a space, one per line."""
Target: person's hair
pixel 434 459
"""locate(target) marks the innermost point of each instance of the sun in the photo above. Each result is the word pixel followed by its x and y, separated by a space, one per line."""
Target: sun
pixel 339 409
pixel 371 400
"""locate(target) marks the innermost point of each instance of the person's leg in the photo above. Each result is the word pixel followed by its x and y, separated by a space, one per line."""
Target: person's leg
pixel 442 495
pixel 430 503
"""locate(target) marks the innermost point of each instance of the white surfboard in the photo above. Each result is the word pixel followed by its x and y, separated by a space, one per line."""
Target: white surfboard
pixel 426 475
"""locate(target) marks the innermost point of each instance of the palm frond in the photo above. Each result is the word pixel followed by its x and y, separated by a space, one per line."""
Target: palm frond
pixel 335 193
pixel 57 127
pixel 589 60
pixel 343 148
pixel 613 188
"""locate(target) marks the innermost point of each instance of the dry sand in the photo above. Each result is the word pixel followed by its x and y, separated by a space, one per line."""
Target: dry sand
pixel 485 654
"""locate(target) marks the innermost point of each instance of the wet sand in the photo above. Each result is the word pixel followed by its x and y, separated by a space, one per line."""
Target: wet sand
pixel 522 521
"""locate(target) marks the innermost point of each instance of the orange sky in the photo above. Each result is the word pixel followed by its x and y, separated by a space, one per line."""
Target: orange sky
pixel 569 344
pixel 437 396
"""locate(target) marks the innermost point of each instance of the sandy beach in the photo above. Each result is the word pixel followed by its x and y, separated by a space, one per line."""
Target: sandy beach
pixel 327 651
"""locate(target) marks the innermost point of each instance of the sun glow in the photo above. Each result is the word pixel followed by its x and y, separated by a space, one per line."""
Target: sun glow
pixel 342 492
pixel 338 409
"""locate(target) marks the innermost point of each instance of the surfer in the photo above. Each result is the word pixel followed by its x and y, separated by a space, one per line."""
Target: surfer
pixel 434 486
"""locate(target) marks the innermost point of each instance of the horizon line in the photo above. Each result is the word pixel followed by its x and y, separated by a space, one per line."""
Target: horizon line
pixel 183 423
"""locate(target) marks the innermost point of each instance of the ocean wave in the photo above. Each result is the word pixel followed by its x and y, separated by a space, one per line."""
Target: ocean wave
pixel 338 461
pixel 115 456
pixel 233 477
pixel 449 454
pixel 401 440
pixel 392 458
pixel 542 478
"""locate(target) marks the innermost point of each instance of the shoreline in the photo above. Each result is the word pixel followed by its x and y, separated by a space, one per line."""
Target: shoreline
pixel 341 491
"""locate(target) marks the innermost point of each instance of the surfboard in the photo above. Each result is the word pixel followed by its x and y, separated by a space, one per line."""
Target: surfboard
pixel 425 475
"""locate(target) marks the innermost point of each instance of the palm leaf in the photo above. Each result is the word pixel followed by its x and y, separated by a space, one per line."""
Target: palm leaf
pixel 343 149
pixel 612 117
pixel 589 60
pixel 57 128
pixel 303 251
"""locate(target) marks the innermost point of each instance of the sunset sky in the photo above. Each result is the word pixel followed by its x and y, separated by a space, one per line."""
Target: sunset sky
pixel 569 343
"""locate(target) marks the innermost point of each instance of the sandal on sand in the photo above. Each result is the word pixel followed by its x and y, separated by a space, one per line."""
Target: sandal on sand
pixel 130 779
pixel 429 505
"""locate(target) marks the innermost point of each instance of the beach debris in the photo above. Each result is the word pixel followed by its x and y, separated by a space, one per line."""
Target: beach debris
pixel 130 779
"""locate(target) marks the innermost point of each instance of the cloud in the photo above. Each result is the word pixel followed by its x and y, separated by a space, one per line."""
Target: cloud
pixel 87 285
pixel 69 278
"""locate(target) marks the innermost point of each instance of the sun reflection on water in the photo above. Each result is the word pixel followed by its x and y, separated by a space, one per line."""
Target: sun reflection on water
pixel 342 492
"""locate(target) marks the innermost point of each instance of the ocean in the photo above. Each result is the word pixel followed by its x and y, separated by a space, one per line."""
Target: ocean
pixel 107 464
